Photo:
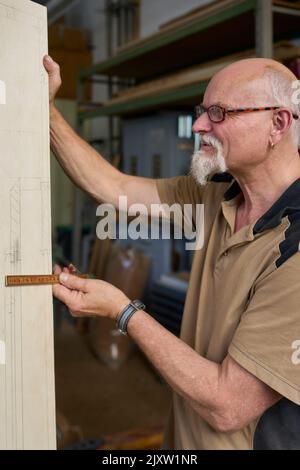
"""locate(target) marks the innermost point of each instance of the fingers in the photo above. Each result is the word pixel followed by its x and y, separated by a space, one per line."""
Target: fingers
pixel 73 282
pixel 72 268
pixel 58 290
pixel 62 293
pixel 56 269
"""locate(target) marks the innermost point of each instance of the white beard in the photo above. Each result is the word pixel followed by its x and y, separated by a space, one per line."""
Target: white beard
pixel 204 165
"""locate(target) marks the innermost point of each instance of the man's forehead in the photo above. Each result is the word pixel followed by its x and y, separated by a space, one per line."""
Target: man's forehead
pixel 244 83
pixel 237 92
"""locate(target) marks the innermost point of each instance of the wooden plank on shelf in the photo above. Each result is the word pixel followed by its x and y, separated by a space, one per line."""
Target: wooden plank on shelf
pixel 196 15
pixel 174 81
pixel 199 14
pixel 141 105
pixel 286 4
pixel 196 12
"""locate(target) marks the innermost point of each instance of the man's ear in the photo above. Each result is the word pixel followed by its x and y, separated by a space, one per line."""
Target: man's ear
pixel 281 123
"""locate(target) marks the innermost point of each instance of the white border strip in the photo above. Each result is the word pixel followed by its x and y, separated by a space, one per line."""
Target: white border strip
pixel 2 353
pixel 2 92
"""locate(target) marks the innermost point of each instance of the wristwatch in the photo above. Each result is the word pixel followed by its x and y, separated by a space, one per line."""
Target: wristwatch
pixel 124 317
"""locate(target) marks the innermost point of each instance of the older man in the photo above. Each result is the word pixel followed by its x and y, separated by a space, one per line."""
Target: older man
pixel 235 370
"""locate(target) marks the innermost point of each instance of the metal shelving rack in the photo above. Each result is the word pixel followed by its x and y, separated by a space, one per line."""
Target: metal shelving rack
pixel 120 19
pixel 236 25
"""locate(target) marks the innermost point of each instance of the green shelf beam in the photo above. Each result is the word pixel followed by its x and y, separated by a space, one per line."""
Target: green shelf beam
pixel 172 96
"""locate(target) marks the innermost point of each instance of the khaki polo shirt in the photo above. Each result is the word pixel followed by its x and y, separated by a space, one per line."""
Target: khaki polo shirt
pixel 243 300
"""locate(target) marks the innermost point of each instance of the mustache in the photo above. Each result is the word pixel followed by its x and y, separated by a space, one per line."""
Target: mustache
pixel 211 140
pixel 215 143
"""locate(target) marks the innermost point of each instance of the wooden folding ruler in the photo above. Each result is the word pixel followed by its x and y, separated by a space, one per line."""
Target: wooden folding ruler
pixel 36 279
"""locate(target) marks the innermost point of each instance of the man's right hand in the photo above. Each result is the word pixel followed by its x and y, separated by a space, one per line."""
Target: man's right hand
pixel 53 71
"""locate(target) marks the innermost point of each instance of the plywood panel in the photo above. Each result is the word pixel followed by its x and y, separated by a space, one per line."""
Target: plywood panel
pixel 27 407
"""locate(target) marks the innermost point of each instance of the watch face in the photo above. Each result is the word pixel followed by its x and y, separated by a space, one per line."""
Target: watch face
pixel 139 304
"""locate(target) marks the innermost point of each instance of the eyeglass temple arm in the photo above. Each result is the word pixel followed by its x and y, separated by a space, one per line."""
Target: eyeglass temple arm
pixel 241 110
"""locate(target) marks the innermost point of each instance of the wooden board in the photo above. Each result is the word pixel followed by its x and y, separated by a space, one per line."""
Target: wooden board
pixel 27 406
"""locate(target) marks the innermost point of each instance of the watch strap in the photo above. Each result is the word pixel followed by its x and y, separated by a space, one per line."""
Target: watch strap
pixel 124 317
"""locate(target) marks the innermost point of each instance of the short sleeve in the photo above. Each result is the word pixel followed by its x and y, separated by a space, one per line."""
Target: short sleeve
pixel 266 340
pixel 179 190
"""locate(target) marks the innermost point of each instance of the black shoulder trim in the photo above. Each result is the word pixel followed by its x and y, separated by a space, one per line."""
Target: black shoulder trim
pixel 287 204
pixel 222 178
pixel 232 191
pixel 290 245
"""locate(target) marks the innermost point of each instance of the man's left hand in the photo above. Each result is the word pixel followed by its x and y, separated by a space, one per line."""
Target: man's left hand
pixel 88 297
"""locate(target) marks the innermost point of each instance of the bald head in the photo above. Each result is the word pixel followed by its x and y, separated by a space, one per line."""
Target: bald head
pixel 256 82
pixel 251 77
pixel 244 71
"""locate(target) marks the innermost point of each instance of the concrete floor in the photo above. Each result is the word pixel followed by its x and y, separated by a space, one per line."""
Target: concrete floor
pixel 100 400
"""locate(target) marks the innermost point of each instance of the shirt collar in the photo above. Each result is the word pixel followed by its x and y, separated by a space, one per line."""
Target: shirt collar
pixel 287 204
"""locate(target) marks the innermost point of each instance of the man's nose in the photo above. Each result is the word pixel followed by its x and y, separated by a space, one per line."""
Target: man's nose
pixel 202 124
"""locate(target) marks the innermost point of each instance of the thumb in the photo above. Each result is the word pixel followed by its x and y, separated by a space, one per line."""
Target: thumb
pixel 73 282
pixel 53 71
pixel 50 65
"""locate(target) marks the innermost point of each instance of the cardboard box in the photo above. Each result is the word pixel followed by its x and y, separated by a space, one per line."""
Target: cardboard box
pixel 127 269
pixel 71 39
pixel 67 434
pixel 70 64
pixel 108 344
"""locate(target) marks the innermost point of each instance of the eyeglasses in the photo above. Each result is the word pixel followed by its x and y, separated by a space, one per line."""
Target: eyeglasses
pixel 217 113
